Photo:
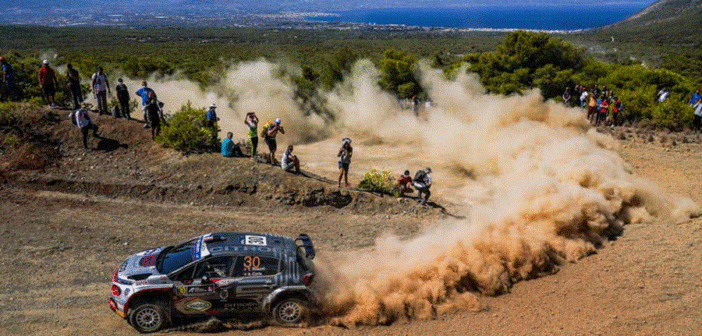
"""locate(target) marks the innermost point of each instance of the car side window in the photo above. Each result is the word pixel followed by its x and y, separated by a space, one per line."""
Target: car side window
pixel 186 274
pixel 218 267
pixel 247 266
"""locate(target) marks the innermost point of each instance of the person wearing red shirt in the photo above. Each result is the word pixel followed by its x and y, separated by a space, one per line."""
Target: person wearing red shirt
pixel 47 80
pixel 404 182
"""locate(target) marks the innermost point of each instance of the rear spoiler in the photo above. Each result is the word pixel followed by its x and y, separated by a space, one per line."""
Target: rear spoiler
pixel 306 243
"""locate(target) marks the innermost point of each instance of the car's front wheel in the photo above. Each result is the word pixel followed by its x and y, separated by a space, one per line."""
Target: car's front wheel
pixel 147 317
pixel 290 312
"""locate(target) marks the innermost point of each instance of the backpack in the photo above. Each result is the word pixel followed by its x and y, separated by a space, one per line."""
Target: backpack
pixel 264 129
pixel 419 176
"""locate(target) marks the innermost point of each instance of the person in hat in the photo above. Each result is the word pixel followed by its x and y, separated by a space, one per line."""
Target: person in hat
pixel 9 80
pixel 344 155
pixel 123 98
pixel 271 133
pixel 73 83
pixel 422 182
pixel 85 123
pixel 48 81
pixel 211 117
pixel 101 87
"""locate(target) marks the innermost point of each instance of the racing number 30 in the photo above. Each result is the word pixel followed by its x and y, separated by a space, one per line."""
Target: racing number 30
pixel 252 262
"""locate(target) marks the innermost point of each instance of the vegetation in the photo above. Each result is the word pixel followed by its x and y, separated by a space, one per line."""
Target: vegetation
pixel 506 63
pixel 186 131
pixel 381 181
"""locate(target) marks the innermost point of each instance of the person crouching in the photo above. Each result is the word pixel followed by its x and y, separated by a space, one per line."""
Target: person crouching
pixel 290 162
pixel 85 124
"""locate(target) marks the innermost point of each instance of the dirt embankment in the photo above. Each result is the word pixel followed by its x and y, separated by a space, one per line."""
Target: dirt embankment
pixel 124 162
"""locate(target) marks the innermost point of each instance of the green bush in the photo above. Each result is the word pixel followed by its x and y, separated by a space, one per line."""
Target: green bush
pixel 381 181
pixel 672 114
pixel 186 131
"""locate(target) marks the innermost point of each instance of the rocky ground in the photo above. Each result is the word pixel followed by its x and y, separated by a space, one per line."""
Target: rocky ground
pixel 69 216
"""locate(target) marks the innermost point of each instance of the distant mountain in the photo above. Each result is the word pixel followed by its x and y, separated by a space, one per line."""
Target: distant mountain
pixel 672 20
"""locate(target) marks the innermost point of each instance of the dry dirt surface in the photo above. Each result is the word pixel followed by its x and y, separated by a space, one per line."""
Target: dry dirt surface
pixel 66 226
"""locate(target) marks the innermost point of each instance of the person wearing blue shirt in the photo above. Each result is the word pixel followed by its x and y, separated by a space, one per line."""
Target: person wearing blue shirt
pixel 143 92
pixel 695 97
pixel 228 145
pixel 8 80
pixel 212 116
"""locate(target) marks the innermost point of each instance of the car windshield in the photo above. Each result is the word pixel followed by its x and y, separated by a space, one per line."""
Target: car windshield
pixel 174 258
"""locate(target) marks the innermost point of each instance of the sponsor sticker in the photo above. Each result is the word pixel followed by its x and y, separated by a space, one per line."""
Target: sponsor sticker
pixel 255 240
pixel 181 290
pixel 198 305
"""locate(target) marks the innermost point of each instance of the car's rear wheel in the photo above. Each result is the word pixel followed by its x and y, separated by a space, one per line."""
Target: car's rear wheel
pixel 147 317
pixel 290 312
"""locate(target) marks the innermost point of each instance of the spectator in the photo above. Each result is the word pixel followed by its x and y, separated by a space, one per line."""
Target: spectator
pixel 123 98
pixel 596 91
pixel 48 81
pixel 663 95
pixel 603 105
pixel 211 118
pixel 567 96
pixel 73 83
pixel 583 98
pixel 289 161
pixel 85 124
pixel 154 114
pixel 697 122
pixel 403 183
pixel 695 97
pixel 422 182
pixel 616 108
pixel 143 92
pixel 271 133
pixel 345 154
pixel 229 148
pixel 251 121
pixel 101 87
pixel 9 80
pixel 592 110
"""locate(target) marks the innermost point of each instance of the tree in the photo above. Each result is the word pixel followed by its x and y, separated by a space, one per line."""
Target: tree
pixel 397 73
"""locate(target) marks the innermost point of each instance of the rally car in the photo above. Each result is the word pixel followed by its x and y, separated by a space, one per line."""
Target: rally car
pixel 218 274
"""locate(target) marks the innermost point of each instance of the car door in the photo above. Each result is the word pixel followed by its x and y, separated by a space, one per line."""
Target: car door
pixel 255 279
pixel 200 289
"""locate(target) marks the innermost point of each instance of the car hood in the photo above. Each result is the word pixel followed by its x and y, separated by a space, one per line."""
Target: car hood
pixel 141 265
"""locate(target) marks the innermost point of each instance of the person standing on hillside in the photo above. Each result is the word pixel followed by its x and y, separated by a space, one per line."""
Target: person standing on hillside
pixel 154 114
pixel 211 118
pixel 48 81
pixel 616 108
pixel 422 182
pixel 695 97
pixel 9 80
pixel 85 123
pixel 583 97
pixel 592 109
pixel 143 93
pixel 603 105
pixel 101 87
pixel 345 154
pixel 271 133
pixel 73 83
pixel 123 98
pixel 697 122
pixel 251 121
pixel 567 96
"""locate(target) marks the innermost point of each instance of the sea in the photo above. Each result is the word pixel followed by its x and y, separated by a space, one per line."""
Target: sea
pixel 546 17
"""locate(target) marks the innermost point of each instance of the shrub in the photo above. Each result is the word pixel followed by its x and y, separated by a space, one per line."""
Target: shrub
pixel 186 131
pixel 379 181
pixel 672 114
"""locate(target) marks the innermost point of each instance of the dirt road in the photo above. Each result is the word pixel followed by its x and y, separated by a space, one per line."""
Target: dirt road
pixel 58 252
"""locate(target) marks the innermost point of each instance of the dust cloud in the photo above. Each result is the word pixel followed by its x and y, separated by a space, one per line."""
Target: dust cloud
pixel 537 186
